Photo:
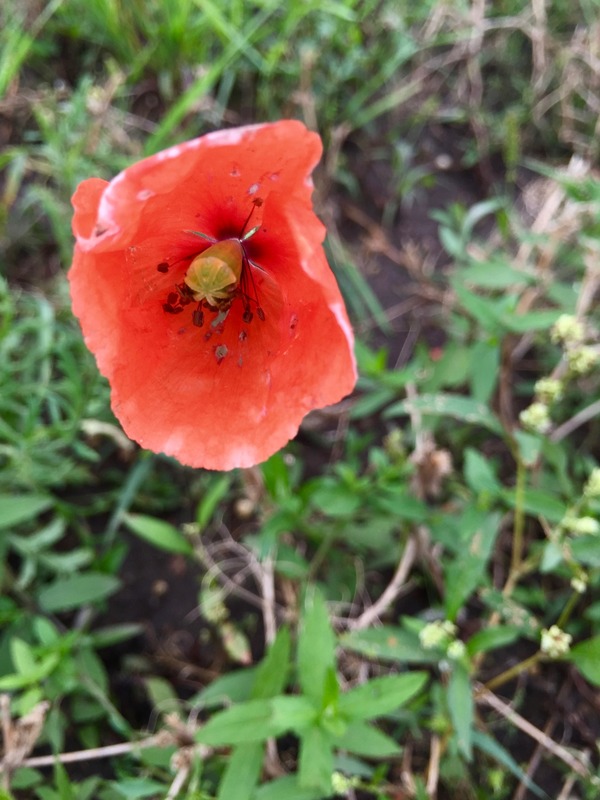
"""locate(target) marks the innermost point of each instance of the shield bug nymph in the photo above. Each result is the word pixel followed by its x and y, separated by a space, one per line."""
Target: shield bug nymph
pixel 222 273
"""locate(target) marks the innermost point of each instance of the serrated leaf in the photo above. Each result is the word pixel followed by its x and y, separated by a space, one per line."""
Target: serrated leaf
pixel 380 696
pixel 158 533
pixel 316 648
pixel 65 594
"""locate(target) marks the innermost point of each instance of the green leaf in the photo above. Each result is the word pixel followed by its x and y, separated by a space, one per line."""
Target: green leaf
pixel 380 695
pixel 465 409
pixel 460 706
pixel 287 789
pixel 530 446
pixel 158 533
pixel 234 687
pixel 272 672
pixel 493 274
pixel 137 788
pixel 242 772
pixel 210 500
pixel 484 370
pixel 364 740
pixel 257 720
pixel 586 550
pixel 586 657
pixel 316 648
pixel 468 571
pixel 65 594
pixel 491 748
pixel 372 402
pixel 63 784
pixel 532 321
pixel 538 503
pixel 490 638
pixel 22 656
pixel 115 634
pixel 316 760
pixel 161 693
pixel 334 499
pixel 487 311
pixel 389 643
pixel 14 510
pixel 479 475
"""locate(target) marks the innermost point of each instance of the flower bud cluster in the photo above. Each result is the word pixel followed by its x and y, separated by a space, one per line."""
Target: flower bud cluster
pixel 555 642
pixel 580 525
pixel 549 390
pixel 567 331
pixel 437 634
pixel 570 333
pixel 536 418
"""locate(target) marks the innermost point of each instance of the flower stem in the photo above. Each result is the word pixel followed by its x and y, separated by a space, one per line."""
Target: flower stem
pixel 513 672
pixel 568 609
pixel 519 523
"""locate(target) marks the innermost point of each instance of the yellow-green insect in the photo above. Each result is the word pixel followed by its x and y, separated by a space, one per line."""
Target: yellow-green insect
pixel 215 278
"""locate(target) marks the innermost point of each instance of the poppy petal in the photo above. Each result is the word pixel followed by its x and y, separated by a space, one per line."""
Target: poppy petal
pixel 226 384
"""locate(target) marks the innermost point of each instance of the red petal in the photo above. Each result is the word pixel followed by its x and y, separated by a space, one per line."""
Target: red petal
pixel 234 397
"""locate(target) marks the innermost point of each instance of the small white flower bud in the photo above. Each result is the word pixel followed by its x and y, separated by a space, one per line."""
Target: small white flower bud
pixel 555 642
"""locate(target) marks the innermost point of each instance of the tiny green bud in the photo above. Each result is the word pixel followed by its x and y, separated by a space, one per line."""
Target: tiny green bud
pixel 555 642
pixel 536 418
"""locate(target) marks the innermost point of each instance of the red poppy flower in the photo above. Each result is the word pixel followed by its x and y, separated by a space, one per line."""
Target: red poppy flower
pixel 203 290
